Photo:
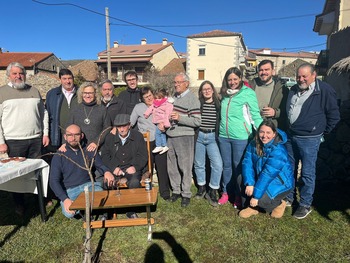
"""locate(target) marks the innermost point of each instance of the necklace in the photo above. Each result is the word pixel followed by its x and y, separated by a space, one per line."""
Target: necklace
pixel 87 120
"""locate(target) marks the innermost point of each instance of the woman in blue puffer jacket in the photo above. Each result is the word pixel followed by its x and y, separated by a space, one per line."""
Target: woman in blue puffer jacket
pixel 267 172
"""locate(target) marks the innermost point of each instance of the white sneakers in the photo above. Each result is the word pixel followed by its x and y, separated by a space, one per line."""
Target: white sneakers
pixel 160 150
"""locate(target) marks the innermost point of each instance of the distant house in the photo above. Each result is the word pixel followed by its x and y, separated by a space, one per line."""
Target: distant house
pixel 282 59
pixel 210 54
pixel 136 57
pixel 32 61
pixel 334 22
pixel 87 69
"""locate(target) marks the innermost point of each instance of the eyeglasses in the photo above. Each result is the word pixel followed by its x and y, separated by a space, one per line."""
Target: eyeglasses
pixel 147 97
pixel 207 90
pixel 88 93
pixel 71 135
pixel 133 79
pixel 179 82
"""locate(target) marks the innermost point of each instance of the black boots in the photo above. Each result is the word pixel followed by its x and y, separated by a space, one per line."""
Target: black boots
pixel 201 192
pixel 212 197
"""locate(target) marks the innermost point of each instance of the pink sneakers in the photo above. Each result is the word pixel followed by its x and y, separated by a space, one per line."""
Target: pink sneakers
pixel 224 199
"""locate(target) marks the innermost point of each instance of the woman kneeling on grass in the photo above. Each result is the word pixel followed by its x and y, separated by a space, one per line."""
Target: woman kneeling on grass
pixel 267 172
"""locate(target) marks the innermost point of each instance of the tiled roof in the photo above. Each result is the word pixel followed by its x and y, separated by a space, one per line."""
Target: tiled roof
pixel 123 60
pixel 215 33
pixel 174 66
pixel 133 51
pixel 27 59
pixel 301 54
pixel 87 68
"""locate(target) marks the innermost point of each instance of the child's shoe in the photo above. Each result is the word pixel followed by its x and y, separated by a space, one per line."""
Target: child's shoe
pixel 224 199
pixel 165 149
pixel 157 149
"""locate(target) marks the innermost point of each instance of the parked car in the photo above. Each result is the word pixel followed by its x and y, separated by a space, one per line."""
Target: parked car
pixel 289 82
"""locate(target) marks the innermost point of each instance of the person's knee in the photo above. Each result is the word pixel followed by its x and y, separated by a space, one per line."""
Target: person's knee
pixel 134 183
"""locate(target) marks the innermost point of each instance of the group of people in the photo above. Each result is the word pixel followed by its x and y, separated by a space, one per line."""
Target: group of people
pixel 261 130
pixel 250 136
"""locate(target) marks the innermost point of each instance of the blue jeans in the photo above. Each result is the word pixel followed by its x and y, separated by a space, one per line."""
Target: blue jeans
pixel 160 138
pixel 74 192
pixel 304 149
pixel 232 152
pixel 206 144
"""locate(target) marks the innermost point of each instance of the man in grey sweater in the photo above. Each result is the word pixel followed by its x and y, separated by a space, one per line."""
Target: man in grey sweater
pixel 185 118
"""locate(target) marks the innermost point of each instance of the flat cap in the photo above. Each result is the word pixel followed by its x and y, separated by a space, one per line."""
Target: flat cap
pixel 121 120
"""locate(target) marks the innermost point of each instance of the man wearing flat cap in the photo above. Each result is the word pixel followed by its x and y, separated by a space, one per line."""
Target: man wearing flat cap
pixel 125 152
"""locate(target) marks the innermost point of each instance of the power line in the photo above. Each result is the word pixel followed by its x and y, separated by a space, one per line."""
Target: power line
pixel 228 23
pixel 180 36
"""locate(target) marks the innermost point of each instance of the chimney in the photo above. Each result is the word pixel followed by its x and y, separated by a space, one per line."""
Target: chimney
pixel 143 41
pixel 115 44
pixel 266 51
pixel 165 41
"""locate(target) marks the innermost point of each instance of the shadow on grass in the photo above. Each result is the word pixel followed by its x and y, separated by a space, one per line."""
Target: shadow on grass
pixel 96 256
pixel 8 217
pixel 155 253
pixel 332 196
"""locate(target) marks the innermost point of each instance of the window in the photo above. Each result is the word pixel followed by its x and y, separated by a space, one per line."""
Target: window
pixel 283 62
pixel 201 74
pixel 201 51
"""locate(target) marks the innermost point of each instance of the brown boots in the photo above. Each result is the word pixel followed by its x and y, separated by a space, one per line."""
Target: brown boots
pixel 248 212
pixel 279 210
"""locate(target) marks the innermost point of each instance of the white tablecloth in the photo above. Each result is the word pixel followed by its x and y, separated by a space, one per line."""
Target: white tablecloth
pixel 20 177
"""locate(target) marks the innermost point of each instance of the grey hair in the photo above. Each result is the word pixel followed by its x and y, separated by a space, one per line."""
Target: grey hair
pixel 17 65
pixel 307 65
pixel 85 85
pixel 184 76
pixel 106 81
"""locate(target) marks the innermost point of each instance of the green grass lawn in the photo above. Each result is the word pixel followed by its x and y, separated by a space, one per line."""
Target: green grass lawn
pixel 198 233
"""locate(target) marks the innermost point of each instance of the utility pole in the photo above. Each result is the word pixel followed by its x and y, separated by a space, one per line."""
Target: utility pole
pixel 109 66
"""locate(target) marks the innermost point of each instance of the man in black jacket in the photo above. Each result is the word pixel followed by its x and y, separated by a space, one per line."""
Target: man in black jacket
pixel 131 96
pixel 113 104
pixel 125 152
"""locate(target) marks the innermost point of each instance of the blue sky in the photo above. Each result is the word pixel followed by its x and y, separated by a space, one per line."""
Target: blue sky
pixel 73 32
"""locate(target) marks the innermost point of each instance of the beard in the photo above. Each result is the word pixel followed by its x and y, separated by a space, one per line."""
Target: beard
pixel 20 85
pixel 107 98
pixel 265 81
pixel 303 86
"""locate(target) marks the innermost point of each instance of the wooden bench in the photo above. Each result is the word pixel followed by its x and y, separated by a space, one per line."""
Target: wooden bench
pixel 122 198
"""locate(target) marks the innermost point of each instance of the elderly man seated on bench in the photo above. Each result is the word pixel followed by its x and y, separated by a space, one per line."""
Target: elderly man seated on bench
pixel 125 152
pixel 67 179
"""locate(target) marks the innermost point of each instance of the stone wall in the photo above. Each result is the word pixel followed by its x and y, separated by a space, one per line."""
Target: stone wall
pixel 333 163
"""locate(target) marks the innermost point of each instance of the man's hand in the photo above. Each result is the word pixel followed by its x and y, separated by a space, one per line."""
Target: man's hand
pixel 108 176
pixel 131 170
pixel 63 148
pixel 161 127
pixel 66 203
pixel 118 172
pixel 91 147
pixel 253 202
pixel 249 190
pixel 3 148
pixel 268 112
pixel 46 140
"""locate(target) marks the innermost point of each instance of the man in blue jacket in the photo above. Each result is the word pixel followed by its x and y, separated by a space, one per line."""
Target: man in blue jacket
pixel 312 111
pixel 59 102
pixel 67 176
